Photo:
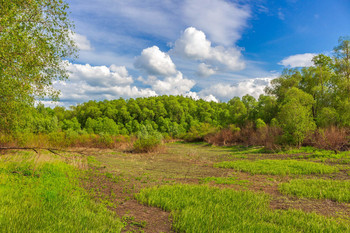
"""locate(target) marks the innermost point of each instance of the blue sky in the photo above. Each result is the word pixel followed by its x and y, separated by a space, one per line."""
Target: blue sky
pixel 209 49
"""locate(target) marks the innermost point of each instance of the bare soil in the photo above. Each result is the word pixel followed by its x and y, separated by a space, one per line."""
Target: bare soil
pixel 119 175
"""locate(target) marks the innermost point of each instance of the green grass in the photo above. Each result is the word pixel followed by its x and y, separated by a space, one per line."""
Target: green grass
pixel 200 208
pixel 49 200
pixel 301 150
pixel 336 190
pixel 278 167
pixel 238 150
pixel 224 180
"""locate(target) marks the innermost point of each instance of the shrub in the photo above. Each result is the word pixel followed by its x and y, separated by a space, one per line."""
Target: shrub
pixel 147 144
pixel 331 138
pixel 267 136
pixel 199 131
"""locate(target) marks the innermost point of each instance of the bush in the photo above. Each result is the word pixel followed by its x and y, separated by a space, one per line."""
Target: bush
pixel 147 144
pixel 199 131
pixel 331 138
pixel 267 136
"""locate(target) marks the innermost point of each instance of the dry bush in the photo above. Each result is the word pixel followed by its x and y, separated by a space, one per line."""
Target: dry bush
pixel 224 137
pixel 331 138
pixel 249 136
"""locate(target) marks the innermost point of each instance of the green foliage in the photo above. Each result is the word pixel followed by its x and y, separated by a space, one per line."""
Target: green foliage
pixel 335 190
pixel 295 116
pixel 34 38
pixel 148 140
pixel 148 144
pixel 328 116
pixel 199 131
pixel 49 201
pixel 278 167
pixel 260 124
pixel 101 125
pixel 72 124
pixel 198 208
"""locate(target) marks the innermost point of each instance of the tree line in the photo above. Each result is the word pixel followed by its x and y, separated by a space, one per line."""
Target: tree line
pixel 35 36
pixel 299 101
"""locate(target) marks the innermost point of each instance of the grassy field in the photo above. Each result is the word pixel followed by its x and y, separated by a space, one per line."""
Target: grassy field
pixel 207 209
pixel 182 188
pixel 45 196
pixel 278 167
pixel 336 190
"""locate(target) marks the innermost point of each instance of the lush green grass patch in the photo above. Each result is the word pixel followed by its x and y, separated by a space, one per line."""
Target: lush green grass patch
pixel 238 150
pixel 49 200
pixel 278 167
pixel 336 190
pixel 199 208
pixel 224 180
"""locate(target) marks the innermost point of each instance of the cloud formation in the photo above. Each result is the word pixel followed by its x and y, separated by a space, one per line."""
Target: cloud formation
pixel 100 76
pixel 155 62
pixel 193 44
pixel 205 70
pixel 254 87
pixel 298 60
pixel 171 85
pixel 88 82
pixel 222 20
pixel 81 42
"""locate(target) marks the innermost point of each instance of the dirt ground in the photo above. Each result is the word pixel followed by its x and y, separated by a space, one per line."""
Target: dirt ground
pixel 115 176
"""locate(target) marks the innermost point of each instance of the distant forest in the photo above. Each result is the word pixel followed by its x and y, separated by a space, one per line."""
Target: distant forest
pixel 299 102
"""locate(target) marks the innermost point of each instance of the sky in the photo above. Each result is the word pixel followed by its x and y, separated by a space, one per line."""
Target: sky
pixel 209 49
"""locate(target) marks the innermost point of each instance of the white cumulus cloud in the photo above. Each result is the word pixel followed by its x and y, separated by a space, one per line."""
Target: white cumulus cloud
pixel 222 20
pixel 195 96
pixel 298 60
pixel 193 44
pixel 205 70
pixel 81 41
pixel 87 82
pixel 102 76
pixel 254 87
pixel 171 85
pixel 155 62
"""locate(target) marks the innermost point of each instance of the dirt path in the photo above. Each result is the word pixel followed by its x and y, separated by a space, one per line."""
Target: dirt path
pixel 118 195
pixel 121 175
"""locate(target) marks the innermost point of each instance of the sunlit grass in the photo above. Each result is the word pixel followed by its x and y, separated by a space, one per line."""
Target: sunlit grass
pixel 206 209
pixel 49 199
pixel 278 167
pixel 336 190
pixel 225 180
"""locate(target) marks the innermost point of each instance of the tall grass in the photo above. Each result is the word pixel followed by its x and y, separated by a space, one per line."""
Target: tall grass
pixel 278 167
pixel 206 209
pixel 48 200
pixel 336 190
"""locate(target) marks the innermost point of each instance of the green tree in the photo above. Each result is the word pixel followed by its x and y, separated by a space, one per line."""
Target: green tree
pixel 35 35
pixel 295 116
pixel 238 111
pixel 342 65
